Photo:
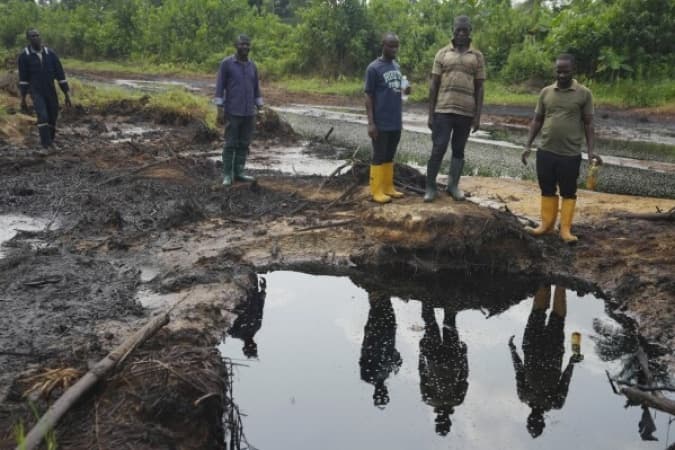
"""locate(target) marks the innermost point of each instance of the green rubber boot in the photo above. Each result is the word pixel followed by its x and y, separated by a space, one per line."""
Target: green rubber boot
pixel 431 190
pixel 228 166
pixel 456 166
pixel 239 163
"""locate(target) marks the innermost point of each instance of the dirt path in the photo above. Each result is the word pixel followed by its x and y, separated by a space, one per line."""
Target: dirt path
pixel 142 225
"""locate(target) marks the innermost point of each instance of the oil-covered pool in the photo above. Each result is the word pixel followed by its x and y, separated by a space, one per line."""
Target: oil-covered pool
pixel 339 363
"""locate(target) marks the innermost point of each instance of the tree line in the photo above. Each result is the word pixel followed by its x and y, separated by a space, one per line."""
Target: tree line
pixel 612 39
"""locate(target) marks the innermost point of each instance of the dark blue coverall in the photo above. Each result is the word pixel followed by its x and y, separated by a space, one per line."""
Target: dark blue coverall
pixel 36 76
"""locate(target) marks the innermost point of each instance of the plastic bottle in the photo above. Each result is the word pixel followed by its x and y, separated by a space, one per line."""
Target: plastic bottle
pixel 576 343
pixel 404 86
pixel 592 177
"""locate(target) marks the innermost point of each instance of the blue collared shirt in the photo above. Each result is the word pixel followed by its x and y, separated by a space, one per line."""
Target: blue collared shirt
pixel 237 87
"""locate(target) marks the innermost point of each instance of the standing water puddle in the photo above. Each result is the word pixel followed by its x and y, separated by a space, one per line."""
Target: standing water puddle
pixel 338 367
pixel 10 224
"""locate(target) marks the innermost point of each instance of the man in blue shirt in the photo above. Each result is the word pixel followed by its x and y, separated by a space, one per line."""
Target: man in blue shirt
pixel 238 93
pixel 384 108
pixel 38 68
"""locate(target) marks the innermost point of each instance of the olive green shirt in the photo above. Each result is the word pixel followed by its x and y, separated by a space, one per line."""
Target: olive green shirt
pixel 563 130
pixel 458 71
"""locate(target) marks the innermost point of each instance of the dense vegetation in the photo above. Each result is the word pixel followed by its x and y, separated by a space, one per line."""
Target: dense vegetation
pixel 615 40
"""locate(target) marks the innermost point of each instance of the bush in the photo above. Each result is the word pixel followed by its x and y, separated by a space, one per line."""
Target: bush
pixel 527 62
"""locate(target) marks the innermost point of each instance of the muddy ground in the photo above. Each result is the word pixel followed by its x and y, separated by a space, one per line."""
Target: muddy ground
pixel 140 225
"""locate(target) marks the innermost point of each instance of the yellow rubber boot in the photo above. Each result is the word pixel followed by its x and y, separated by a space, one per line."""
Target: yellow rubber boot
pixel 376 184
pixel 549 212
pixel 566 216
pixel 389 188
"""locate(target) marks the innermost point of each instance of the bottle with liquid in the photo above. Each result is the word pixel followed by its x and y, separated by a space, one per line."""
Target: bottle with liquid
pixel 576 343
pixel 592 176
pixel 404 86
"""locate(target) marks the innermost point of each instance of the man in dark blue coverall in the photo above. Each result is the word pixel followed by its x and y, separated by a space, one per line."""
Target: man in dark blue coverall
pixel 38 68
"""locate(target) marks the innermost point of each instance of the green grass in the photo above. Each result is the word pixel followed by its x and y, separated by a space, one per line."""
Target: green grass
pixel 135 67
pixel 174 100
pixel 658 94
pixel 345 86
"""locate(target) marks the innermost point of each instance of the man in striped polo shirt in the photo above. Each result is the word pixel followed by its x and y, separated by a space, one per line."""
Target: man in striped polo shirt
pixel 455 104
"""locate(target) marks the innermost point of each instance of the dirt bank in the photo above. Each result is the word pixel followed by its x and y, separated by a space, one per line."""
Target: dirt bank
pixel 141 224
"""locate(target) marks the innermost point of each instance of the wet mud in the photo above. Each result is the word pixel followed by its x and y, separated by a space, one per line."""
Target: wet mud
pixel 117 204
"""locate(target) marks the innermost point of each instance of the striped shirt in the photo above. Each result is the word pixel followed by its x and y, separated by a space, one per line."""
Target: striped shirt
pixel 458 71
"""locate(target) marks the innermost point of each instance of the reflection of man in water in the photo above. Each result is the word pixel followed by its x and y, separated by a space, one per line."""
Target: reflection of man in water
pixel 249 321
pixel 443 367
pixel 379 357
pixel 539 380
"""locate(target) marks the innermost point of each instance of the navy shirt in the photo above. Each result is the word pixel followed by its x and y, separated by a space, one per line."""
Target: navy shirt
pixel 383 84
pixel 237 87
pixel 38 70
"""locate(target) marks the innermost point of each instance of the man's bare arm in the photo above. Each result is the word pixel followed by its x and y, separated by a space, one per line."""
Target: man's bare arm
pixel 372 129
pixel 535 127
pixel 478 94
pixel 434 86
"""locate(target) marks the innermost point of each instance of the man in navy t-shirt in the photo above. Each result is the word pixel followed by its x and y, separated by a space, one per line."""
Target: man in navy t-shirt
pixel 383 104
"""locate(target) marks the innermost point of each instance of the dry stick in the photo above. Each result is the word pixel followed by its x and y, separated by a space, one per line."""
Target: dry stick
pixel 327 225
pixel 666 217
pixel 637 396
pixel 135 171
pixel 73 394
pixel 346 194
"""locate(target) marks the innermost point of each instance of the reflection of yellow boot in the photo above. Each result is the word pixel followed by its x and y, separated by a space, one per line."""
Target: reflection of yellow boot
pixel 388 187
pixel 549 212
pixel 542 298
pixel 566 216
pixel 376 184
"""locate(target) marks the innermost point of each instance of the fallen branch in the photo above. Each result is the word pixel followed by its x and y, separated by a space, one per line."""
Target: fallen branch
pixel 639 397
pixel 656 217
pixel 645 388
pixel 410 187
pixel 327 225
pixel 134 171
pixel 346 194
pixel 73 394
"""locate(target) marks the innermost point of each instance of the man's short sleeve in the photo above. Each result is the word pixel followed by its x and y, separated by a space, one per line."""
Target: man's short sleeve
pixel 588 104
pixel 540 109
pixel 437 68
pixel 480 67
pixel 371 80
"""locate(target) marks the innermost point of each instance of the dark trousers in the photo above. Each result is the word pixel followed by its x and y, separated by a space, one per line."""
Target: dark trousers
pixel 384 147
pixel 47 111
pixel 238 132
pixel 449 128
pixel 557 171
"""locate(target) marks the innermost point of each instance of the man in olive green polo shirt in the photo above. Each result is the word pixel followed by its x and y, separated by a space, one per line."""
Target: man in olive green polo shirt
pixel 455 104
pixel 564 115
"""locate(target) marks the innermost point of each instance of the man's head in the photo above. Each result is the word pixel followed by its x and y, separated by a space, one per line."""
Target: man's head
pixel 461 31
pixel 243 46
pixel 535 423
pixel 34 39
pixel 390 45
pixel 564 69
pixel 250 349
pixel 443 422
pixel 381 395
